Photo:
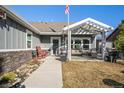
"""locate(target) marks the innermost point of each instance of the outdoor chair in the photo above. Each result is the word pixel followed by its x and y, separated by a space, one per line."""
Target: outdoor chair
pixel 113 56
pixel 76 52
pixel 40 52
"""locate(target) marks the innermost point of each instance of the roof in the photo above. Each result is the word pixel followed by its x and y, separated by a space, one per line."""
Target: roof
pixel 113 35
pixel 94 23
pixel 87 26
pixel 50 27
pixel 19 19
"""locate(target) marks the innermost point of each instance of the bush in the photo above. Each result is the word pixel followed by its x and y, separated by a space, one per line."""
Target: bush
pixel 9 76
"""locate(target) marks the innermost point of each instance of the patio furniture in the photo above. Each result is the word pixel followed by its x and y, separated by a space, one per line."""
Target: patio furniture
pixel 76 52
pixel 113 56
pixel 41 53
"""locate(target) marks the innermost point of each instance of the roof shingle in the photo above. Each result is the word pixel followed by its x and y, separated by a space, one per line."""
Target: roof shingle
pixel 49 26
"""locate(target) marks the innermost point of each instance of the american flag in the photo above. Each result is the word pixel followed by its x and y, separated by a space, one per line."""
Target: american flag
pixel 67 9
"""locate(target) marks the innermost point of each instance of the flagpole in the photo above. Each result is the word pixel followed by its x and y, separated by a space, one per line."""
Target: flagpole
pixel 69 41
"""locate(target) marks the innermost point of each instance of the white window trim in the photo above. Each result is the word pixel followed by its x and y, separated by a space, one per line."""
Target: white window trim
pixel 89 42
pixel 30 40
pixel 80 38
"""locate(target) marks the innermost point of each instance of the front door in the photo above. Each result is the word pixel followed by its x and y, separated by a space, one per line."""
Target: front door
pixel 55 46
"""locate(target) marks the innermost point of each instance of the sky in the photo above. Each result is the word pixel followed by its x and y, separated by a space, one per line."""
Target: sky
pixel 111 15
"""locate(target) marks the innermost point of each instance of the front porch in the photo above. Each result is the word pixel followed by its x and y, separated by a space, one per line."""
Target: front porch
pixel 81 39
pixel 90 27
pixel 81 47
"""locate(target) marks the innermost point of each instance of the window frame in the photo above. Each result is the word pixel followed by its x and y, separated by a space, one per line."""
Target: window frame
pixel 27 40
pixel 86 44
pixel 77 46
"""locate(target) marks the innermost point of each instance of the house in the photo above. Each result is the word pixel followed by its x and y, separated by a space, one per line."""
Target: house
pixel 17 40
pixel 18 37
pixel 112 37
pixel 83 34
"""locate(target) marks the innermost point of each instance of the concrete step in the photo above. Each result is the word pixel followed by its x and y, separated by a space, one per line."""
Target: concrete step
pixel 99 56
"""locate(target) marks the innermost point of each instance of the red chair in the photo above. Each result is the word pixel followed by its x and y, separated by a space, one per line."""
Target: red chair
pixel 40 52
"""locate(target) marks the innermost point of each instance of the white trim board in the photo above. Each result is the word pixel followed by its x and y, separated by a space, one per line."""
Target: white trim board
pixel 88 20
pixel 11 50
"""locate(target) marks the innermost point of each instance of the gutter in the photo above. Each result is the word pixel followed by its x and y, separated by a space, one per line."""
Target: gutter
pixel 50 33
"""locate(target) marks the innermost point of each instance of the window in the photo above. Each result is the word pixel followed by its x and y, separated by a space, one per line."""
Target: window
pixel 72 44
pixel 77 44
pixel 85 44
pixel 29 41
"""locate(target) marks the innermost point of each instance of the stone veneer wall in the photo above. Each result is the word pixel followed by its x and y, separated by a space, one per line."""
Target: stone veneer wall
pixel 10 61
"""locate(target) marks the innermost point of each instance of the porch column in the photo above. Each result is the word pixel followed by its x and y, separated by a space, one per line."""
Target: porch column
pixel 90 44
pixel 103 45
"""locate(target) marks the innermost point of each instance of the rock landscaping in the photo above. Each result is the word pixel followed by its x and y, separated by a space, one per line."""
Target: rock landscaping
pixel 15 78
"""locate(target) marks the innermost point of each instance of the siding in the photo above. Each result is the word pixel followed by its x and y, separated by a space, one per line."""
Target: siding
pixel 9 34
pixel 36 40
pixel 15 35
pixel 23 38
pixel 2 34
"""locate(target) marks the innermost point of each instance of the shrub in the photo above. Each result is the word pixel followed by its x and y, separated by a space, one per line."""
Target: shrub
pixel 9 76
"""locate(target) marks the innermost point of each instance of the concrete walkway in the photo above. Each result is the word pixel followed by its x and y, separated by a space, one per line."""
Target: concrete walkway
pixel 48 75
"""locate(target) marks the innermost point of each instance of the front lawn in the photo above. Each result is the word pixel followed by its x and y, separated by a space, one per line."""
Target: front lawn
pixel 93 74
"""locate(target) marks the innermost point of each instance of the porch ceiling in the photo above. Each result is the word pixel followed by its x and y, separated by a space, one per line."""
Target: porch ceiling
pixel 88 26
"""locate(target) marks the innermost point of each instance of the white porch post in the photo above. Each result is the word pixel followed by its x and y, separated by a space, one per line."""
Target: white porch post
pixel 69 42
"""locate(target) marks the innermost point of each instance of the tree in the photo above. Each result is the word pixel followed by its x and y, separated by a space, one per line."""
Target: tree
pixel 119 40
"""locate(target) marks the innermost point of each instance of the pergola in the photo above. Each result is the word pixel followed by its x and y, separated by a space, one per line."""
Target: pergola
pixel 88 26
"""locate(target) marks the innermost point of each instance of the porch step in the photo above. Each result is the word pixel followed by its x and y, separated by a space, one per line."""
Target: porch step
pixel 99 56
